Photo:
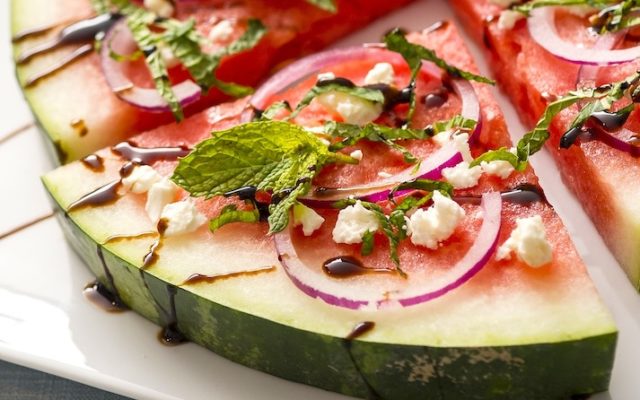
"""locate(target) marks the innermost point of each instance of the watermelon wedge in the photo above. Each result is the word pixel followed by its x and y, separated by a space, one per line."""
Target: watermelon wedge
pixel 603 178
pixel 510 331
pixel 80 113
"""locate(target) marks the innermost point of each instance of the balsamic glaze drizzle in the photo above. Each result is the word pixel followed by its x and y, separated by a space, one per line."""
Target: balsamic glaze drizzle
pixel 360 329
pixel 346 266
pixel 143 155
pixel 63 62
pixel 201 278
pixel 94 162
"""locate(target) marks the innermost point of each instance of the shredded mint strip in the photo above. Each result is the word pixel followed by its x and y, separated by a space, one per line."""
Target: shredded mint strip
pixel 273 156
pixel 613 15
pixel 327 5
pixel 597 99
pixel 230 214
pixel 414 54
pixel 100 6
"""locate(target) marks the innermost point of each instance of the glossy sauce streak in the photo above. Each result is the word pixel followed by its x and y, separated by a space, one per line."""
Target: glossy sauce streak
pixel 524 194
pixel 79 127
pixel 360 329
pixel 148 156
pixel 122 238
pixel 100 296
pixel 170 335
pixel 106 194
pixel 201 278
pixel 84 31
pixel 28 33
pixel 154 250
pixel 346 266
pixel 437 98
pixel 94 162
pixel 248 193
pixel 610 121
pixel 63 62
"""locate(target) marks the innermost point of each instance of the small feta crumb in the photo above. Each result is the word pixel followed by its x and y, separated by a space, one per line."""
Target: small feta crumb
pixel 459 140
pixel 221 31
pixel 380 73
pixel 160 194
pixel 499 168
pixel 308 218
pixel 461 176
pixel 162 8
pixel 509 18
pixel 353 222
pixel 383 174
pixel 324 142
pixel 182 217
pixel 141 179
pixel 352 109
pixel 437 223
pixel 357 154
pixel 529 241
pixel 326 76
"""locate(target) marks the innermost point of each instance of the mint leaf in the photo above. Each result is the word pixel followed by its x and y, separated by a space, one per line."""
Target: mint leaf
pixel 345 86
pixel 327 5
pixel 274 109
pixel 230 214
pixel 273 156
pixel 457 122
pixel 100 6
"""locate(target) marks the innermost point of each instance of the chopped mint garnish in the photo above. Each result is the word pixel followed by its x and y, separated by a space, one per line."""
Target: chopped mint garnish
pixel 273 156
pixel 414 54
pixel 274 109
pixel 327 5
pixel 612 15
pixel 230 214
pixel 100 6
pixel 346 86
pixel 596 99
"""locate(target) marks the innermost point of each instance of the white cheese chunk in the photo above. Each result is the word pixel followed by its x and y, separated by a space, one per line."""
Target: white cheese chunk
pixel 352 109
pixel 357 154
pixel 459 140
pixel 529 242
pixel 141 179
pixel 509 18
pixel 461 176
pixel 437 223
pixel 162 8
pixel 182 217
pixel 499 168
pixel 308 218
pixel 160 194
pixel 380 73
pixel 221 31
pixel 353 222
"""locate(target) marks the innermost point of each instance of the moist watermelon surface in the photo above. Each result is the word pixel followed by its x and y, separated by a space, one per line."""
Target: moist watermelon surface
pixel 510 332
pixel 603 178
pixel 79 91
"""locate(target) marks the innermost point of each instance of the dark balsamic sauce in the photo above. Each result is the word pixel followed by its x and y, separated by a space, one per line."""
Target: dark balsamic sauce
pixel 436 98
pixel 610 121
pixel 80 127
pixel 115 296
pixel 346 266
pixel 392 96
pixel 29 33
pixel 570 136
pixel 130 151
pixel 524 194
pixel 153 255
pixel 94 162
pixel 359 330
pixel 84 31
pixel 170 335
pixel 248 193
pixel 101 297
pixel 106 194
pixel 442 24
pixel 63 62
pixel 120 238
pixel 201 278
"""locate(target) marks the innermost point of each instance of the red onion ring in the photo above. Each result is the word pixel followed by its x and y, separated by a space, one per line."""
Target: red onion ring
pixel 542 29
pixel 119 39
pixel 587 74
pixel 374 292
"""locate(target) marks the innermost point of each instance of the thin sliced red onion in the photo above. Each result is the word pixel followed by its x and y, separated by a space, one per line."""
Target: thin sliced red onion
pixel 588 74
pixel 599 133
pixel 371 292
pixel 119 39
pixel 542 27
pixel 430 168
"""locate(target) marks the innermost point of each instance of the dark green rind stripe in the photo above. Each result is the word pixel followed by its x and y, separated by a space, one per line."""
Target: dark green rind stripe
pixel 391 371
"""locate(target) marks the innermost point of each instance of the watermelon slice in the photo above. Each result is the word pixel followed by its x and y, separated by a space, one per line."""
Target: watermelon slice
pixel 80 113
pixel 510 332
pixel 605 184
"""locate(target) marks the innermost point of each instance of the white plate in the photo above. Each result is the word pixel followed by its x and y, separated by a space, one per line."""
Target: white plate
pixel 46 324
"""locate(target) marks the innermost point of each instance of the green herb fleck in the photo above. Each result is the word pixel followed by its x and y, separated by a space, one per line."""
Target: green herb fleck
pixel 327 5
pixel 230 214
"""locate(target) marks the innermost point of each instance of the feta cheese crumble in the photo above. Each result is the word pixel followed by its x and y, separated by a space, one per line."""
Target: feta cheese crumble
pixel 308 218
pixel 357 154
pixel 499 168
pixel 141 179
pixel 529 242
pixel 162 8
pixel 437 223
pixel 221 31
pixel 160 194
pixel 353 222
pixel 352 109
pixel 459 140
pixel 461 176
pixel 380 73
pixel 182 217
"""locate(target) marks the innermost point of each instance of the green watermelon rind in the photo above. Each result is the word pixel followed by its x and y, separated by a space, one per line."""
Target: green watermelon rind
pixel 392 371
